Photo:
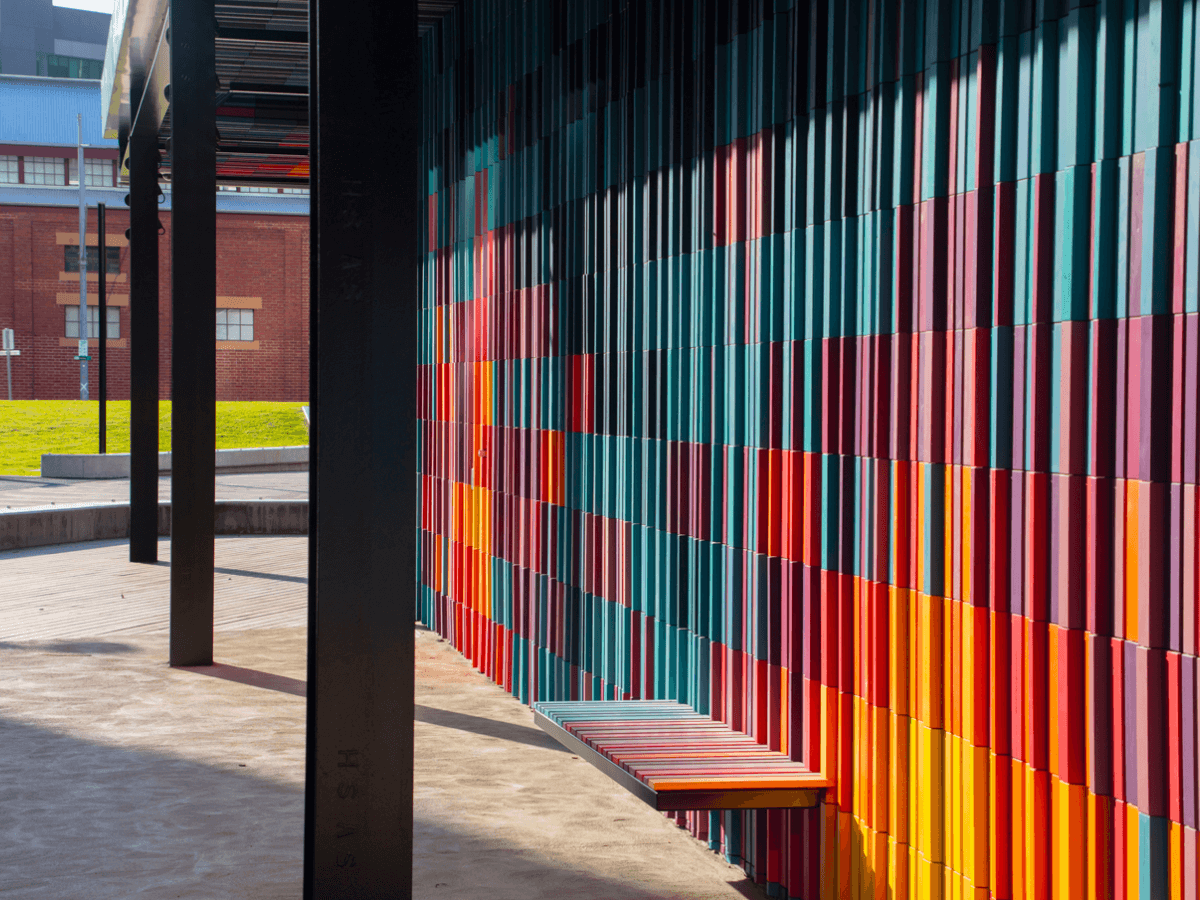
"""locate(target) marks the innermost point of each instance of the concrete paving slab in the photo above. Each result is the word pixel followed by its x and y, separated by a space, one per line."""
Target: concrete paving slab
pixel 126 778
pixel 92 590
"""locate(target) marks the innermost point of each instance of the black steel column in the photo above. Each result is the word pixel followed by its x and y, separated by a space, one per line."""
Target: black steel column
pixel 362 483
pixel 143 341
pixel 193 328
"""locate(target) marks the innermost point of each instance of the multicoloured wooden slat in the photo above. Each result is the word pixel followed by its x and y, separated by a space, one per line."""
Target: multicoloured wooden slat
pixel 677 759
pixel 833 368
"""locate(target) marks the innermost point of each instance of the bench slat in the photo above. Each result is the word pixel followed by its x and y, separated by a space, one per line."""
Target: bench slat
pixel 674 758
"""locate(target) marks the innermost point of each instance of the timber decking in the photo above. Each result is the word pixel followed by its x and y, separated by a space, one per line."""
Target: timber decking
pixel 675 758
pixel 260 583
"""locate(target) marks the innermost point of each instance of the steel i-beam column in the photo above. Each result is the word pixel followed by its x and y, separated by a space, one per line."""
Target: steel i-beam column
pixel 143 341
pixel 193 328
pixel 365 226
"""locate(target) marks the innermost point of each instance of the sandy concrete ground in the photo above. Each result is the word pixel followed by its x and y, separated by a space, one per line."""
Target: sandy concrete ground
pixel 20 491
pixel 535 821
pixel 125 778
pixel 91 591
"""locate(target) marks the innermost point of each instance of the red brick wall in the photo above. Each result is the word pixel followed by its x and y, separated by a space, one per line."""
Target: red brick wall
pixel 263 256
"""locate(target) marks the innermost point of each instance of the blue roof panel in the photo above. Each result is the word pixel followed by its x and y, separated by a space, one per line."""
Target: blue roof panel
pixel 227 201
pixel 36 110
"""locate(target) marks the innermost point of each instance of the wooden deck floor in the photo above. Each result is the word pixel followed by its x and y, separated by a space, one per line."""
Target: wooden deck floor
pixel 89 590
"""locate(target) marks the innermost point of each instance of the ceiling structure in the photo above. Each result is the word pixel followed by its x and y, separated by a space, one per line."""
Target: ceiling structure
pixel 261 85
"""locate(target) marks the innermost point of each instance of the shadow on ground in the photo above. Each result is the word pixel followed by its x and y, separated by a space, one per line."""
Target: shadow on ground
pixel 499 871
pixel 488 727
pixel 55 549
pixel 253 677
pixel 298 579
pixel 82 647
pixel 85 819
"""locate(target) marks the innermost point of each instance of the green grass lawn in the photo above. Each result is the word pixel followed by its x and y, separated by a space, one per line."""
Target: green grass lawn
pixel 29 428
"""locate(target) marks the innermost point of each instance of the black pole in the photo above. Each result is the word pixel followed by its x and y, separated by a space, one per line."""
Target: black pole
pixel 193 328
pixel 365 227
pixel 143 340
pixel 314 444
pixel 102 285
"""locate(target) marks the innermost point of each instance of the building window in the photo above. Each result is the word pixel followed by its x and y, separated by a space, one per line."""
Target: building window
pixel 235 324
pixel 10 172
pixel 112 256
pixel 255 189
pixel 56 66
pixel 45 170
pixel 99 172
pixel 93 320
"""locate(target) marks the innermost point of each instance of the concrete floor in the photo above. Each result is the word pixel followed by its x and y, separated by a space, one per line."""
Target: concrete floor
pixel 125 778
pixel 20 491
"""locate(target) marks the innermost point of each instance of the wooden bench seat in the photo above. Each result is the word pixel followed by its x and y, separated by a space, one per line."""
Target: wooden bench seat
pixel 674 758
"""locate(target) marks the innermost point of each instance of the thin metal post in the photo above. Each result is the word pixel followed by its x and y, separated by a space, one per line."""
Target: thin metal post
pixel 83 316
pixel 365 227
pixel 193 328
pixel 102 315
pixel 143 339
pixel 10 345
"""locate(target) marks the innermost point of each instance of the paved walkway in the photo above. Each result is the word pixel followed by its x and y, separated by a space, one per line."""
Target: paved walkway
pixel 95 591
pixel 126 778
pixel 20 491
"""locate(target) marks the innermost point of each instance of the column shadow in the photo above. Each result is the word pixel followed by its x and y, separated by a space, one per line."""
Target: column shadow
pixel 297 687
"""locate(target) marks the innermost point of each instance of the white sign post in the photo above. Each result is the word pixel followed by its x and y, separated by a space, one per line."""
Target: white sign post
pixel 83 316
pixel 9 351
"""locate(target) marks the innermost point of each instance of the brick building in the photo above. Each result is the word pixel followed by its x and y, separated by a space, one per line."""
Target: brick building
pixel 261 327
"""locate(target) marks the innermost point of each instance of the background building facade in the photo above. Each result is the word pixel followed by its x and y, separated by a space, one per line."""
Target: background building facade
pixel 39 38
pixel 262 267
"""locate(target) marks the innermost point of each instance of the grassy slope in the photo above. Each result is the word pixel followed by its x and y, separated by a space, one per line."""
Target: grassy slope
pixel 29 428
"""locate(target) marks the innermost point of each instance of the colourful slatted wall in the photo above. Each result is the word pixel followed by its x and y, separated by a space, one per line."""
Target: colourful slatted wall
pixel 832 368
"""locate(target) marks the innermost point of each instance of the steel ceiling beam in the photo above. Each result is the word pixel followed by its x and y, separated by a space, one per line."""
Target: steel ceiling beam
pixel 262 35
pixel 246 87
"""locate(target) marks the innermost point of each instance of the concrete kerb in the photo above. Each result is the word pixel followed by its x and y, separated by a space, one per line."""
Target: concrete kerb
pixel 229 462
pixel 20 528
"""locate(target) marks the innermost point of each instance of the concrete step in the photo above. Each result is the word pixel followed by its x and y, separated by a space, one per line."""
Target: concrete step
pixel 229 462
pixel 71 523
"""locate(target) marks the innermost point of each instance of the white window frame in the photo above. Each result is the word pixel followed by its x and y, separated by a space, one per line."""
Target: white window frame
pixel 92 270
pixel 99 172
pixel 235 324
pixel 113 316
pixel 45 170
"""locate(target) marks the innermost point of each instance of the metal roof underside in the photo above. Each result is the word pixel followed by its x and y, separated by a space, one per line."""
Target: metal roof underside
pixel 261 87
